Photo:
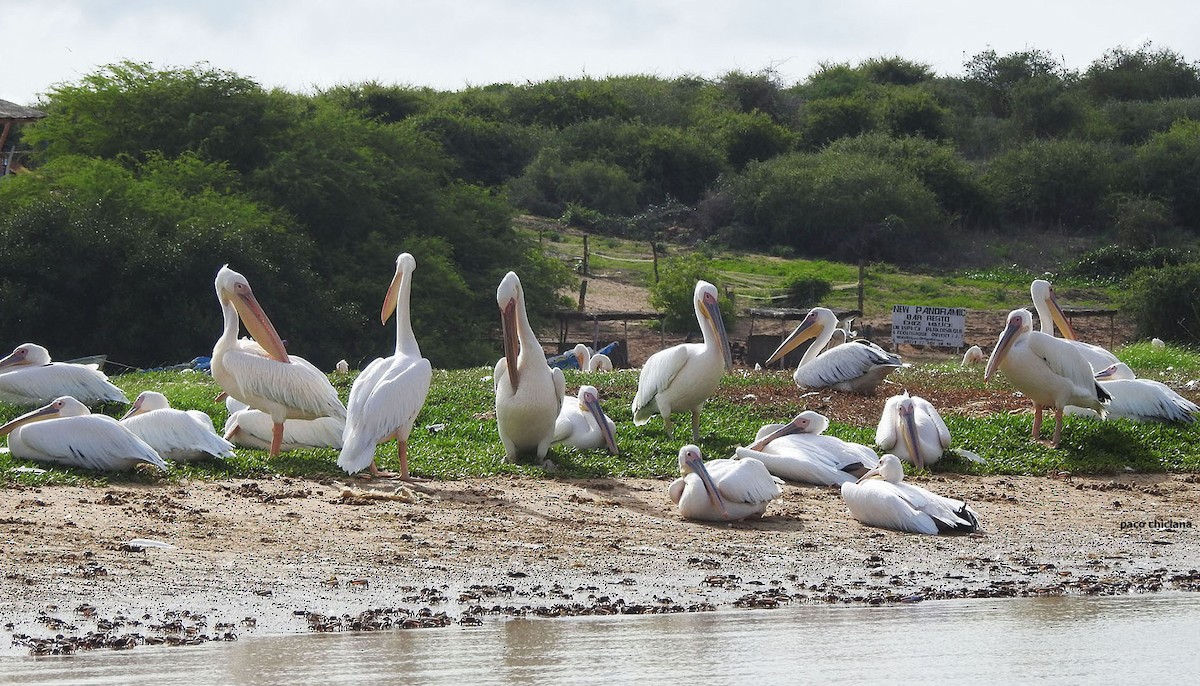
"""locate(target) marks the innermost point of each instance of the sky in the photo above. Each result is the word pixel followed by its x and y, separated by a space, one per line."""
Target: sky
pixel 305 45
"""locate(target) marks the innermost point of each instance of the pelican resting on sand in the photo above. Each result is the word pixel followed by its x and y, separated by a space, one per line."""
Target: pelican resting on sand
pixel 389 394
pixel 29 377
pixel 855 367
pixel 799 451
pixel 252 428
pixel 582 423
pixel 261 374
pixel 66 434
pixel 881 498
pixel 911 429
pixel 1049 371
pixel 680 378
pixel 529 394
pixel 176 435
pixel 722 490
pixel 1050 314
pixel 1143 400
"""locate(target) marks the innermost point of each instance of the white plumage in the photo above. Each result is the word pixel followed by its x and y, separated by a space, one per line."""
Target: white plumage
pixel 389 394
pixel 682 377
pixel 1049 371
pixel 911 429
pixel 252 428
pixel 529 394
pixel 65 433
pixel 582 423
pixel 1050 314
pixel 29 377
pixel 722 490
pixel 856 367
pixel 974 355
pixel 591 363
pixel 881 498
pixel 799 451
pixel 261 374
pixel 1143 400
pixel 176 435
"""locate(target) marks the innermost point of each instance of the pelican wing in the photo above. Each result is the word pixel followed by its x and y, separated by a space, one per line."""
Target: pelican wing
pixel 887 433
pixel 928 416
pixel 297 384
pixel 560 387
pixel 744 481
pixel 42 384
pixel 1148 400
pixel 943 509
pixel 92 441
pixel 878 503
pixel 1063 360
pixel 847 364
pixel 798 467
pixel 384 402
pixel 656 376
pixel 175 432
pixel 569 419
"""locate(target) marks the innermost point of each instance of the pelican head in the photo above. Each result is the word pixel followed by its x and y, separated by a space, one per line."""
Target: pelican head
pixel 1117 370
pixel 1019 322
pixel 1046 301
pixel 582 356
pixel 26 355
pixel 889 470
pixel 234 289
pixel 147 401
pixel 405 264
pixel 64 406
pixel 589 401
pixel 807 422
pixel 511 300
pixel 817 321
pixel 692 462
pixel 707 309
pixel 906 415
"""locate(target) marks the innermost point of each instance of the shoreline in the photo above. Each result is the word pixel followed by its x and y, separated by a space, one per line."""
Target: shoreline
pixel 287 555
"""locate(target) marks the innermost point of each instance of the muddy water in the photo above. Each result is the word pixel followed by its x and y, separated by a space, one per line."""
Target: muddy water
pixel 1151 638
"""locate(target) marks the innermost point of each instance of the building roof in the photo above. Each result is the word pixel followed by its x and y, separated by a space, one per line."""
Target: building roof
pixel 14 112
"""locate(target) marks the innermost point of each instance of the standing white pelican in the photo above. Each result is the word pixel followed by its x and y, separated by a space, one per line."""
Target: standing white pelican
pixel 722 490
pixel 680 378
pixel 911 429
pixel 856 368
pixel 65 433
pixel 881 498
pixel 389 394
pixel 175 434
pixel 582 423
pixel 1143 400
pixel 798 451
pixel 1049 371
pixel 283 386
pixel 591 363
pixel 28 377
pixel 974 355
pixel 529 394
pixel 1050 315
pixel 251 428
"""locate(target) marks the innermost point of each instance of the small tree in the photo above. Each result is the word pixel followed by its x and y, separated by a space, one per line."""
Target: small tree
pixel 672 295
pixel 1164 303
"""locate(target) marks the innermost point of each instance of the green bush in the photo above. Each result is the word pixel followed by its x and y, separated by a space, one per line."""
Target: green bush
pixel 1165 303
pixel 672 295
pixel 1117 262
pixel 1168 167
pixel 1055 182
pixel 806 291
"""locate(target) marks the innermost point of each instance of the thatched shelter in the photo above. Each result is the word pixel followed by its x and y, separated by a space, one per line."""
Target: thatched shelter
pixel 11 113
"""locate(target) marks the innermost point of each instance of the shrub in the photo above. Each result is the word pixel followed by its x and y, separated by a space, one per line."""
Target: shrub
pixel 1166 303
pixel 672 295
pixel 806 291
pixel 1117 262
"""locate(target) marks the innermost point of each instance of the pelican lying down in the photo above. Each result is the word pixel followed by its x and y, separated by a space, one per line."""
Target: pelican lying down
pixel 798 451
pixel 881 498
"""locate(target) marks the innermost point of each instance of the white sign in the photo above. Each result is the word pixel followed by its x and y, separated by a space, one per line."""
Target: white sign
pixel 939 326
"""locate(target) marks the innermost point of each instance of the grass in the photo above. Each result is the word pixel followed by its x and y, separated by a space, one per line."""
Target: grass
pixel 456 432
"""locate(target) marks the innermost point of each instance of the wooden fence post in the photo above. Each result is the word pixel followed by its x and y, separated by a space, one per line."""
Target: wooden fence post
pixel 585 255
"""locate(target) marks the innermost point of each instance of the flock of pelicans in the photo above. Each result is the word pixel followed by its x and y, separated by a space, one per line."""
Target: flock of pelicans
pixel 279 401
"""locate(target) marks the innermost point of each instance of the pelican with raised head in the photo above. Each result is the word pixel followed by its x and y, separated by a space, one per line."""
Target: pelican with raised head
pixel 1049 371
pixel 682 377
pixel 29 377
pixel 178 435
pixel 252 428
pixel 881 498
pixel 387 396
pixel 856 367
pixel 582 423
pixel 529 394
pixel 799 451
pixel 722 490
pixel 1050 314
pixel 911 429
pixel 65 434
pixel 260 373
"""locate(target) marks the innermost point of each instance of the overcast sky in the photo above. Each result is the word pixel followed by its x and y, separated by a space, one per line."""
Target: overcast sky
pixel 305 45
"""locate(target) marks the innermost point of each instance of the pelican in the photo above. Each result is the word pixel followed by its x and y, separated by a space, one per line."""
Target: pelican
pixel 856 368
pixel 1050 314
pixel 28 377
pixel 974 355
pixel 283 386
pixel 342 367
pixel 529 394
pixel 798 451
pixel 722 490
pixel 582 424
pixel 1142 400
pixel 65 433
pixel 911 428
pixel 174 434
pixel 1049 371
pixel 389 394
pixel 592 363
pixel 680 378
pixel 251 428
pixel 881 498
